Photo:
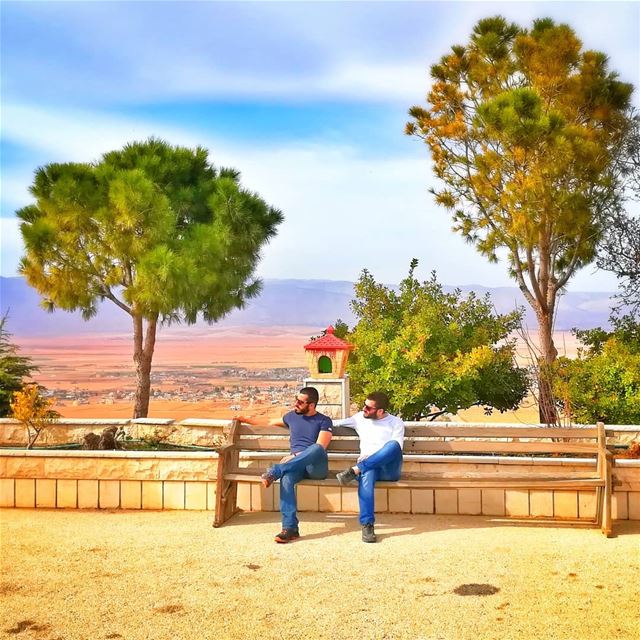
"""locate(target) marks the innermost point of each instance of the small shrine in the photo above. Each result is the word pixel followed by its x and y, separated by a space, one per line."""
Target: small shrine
pixel 327 361
pixel 327 355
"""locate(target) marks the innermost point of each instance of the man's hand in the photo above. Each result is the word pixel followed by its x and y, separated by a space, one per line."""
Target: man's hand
pixel 245 419
pixel 287 458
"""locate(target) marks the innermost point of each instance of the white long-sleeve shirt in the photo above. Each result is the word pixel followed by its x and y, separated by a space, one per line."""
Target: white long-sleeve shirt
pixel 374 434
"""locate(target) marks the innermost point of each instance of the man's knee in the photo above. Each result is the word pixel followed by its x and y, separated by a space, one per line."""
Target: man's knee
pixel 316 449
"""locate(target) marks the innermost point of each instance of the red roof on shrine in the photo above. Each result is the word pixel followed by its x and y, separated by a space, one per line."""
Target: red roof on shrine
pixel 328 342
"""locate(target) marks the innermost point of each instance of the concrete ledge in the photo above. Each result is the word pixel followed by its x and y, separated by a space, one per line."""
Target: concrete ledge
pixel 80 453
pixel 68 430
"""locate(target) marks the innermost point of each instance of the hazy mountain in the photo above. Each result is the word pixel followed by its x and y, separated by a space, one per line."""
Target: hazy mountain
pixel 313 303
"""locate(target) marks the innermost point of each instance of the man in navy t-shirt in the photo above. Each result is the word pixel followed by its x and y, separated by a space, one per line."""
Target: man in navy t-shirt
pixel 309 437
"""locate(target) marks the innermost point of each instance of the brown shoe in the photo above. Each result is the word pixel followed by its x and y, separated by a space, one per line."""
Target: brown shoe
pixel 267 478
pixel 287 535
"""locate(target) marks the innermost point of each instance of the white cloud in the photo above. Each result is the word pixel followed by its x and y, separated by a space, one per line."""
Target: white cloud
pixel 350 80
pixel 75 135
pixel 344 211
pixel 12 247
pixel 15 188
pixel 367 51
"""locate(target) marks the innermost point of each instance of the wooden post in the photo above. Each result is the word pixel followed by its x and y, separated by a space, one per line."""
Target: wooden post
pixel 604 469
pixel 227 490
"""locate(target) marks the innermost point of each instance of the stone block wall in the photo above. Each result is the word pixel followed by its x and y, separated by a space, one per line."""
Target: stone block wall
pixel 514 503
pixel 108 480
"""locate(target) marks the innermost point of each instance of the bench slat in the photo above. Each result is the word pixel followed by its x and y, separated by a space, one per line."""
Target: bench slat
pixel 251 430
pixel 499 432
pixel 440 482
pixel 487 446
pixel 280 444
pixel 434 431
pixel 435 446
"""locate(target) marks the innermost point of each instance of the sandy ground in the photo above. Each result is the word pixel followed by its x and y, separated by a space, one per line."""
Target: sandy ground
pixel 170 575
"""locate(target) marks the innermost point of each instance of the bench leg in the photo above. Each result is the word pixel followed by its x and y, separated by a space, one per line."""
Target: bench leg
pixel 225 502
pixel 607 522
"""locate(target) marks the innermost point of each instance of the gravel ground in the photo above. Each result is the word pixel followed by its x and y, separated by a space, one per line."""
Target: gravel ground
pixel 92 575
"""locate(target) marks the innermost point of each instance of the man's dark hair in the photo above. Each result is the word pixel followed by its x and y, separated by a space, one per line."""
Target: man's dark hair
pixel 381 399
pixel 311 393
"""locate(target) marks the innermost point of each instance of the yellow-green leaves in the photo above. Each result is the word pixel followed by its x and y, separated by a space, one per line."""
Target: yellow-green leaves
pixel 426 348
pixel 523 127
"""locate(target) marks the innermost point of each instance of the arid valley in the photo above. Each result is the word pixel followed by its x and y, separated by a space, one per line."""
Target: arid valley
pixel 215 373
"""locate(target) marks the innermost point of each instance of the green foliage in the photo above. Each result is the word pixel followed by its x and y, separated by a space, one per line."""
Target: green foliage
pixel 156 229
pixel 425 348
pixel 524 128
pixel 603 382
pixel 340 330
pixel 14 368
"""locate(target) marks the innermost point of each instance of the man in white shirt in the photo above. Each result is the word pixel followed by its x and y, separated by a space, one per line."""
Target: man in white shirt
pixel 381 438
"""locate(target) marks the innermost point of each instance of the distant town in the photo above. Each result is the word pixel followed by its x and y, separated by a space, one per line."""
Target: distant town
pixel 253 386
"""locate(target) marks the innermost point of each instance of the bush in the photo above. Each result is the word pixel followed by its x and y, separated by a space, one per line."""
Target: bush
pixel 31 408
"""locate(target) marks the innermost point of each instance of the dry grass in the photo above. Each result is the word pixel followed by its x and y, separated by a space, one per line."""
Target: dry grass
pixel 170 575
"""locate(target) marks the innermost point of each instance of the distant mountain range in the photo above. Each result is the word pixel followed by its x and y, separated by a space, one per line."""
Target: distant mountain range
pixel 312 303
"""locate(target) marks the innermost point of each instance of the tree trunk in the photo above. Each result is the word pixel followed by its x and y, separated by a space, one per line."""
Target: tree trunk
pixel 546 400
pixel 31 439
pixel 143 346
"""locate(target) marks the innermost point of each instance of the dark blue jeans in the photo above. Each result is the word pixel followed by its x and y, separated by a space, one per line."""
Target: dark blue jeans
pixel 384 464
pixel 311 463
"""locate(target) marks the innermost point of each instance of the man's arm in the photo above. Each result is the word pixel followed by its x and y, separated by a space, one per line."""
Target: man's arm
pixel 397 432
pixel 324 438
pixel 274 422
pixel 346 422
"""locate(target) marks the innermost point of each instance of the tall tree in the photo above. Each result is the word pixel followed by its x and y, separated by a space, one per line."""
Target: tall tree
pixel 428 348
pixel 522 125
pixel 14 368
pixel 155 229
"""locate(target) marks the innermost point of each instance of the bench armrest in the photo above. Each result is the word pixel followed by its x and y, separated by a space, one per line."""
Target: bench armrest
pixel 225 447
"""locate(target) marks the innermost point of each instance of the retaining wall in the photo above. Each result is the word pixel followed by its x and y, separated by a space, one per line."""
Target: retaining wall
pixel 186 480
pixel 177 480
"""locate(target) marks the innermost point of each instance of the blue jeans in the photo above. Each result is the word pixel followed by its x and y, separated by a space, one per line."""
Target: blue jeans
pixel 384 464
pixel 311 463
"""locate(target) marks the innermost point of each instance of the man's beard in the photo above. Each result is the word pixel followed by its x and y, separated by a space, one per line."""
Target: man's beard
pixel 301 412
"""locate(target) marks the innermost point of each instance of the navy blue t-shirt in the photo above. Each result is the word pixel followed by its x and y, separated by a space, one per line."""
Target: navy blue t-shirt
pixel 304 430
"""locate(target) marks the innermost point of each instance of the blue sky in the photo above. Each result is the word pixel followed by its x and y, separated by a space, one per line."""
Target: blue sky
pixel 307 100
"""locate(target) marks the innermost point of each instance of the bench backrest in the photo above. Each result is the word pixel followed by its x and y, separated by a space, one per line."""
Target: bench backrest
pixel 433 439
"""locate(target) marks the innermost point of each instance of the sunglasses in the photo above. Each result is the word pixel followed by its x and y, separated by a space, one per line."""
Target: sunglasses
pixel 368 408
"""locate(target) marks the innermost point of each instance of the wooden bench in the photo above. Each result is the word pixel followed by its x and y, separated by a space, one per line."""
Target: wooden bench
pixel 499 442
